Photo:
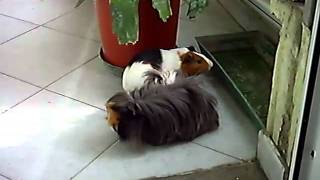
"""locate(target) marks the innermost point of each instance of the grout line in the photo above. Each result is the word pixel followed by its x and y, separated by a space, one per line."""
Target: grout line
pixel 8 16
pixel 23 100
pixel 37 25
pixel 70 34
pixel 53 19
pixel 75 99
pixel 87 165
pixel 14 37
pixel 44 88
pixel 72 70
pixel 234 157
pixel 16 78
pixel 234 19
pixel 6 177
pixel 63 14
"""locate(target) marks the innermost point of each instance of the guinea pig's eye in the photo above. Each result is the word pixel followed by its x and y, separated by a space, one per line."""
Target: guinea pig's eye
pixel 199 61
pixel 187 61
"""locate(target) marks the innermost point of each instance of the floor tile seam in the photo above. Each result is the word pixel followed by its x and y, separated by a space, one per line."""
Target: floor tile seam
pixel 21 80
pixel 37 25
pixel 220 152
pixel 14 37
pixel 20 102
pixel 18 19
pixel 71 34
pixel 95 158
pixel 55 18
pixel 4 176
pixel 72 70
pixel 62 76
pixel 75 99
pixel 48 21
pixel 45 87
pixel 61 15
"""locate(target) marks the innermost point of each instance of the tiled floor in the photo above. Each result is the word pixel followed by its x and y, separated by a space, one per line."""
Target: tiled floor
pixel 10 28
pixel 245 170
pixel 53 89
pixel 3 177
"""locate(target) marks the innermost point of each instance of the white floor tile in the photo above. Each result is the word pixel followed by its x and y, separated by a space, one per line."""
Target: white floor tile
pixel 51 137
pixel 3 178
pixel 93 83
pixel 36 11
pixel 11 27
pixel 125 162
pixel 43 55
pixel 13 91
pixel 80 22
pixel 213 20
pixel 236 135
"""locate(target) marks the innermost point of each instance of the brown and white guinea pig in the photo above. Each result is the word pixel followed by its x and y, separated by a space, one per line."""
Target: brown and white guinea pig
pixel 159 114
pixel 160 60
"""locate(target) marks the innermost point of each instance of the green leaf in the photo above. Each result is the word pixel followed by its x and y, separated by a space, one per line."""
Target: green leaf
pixel 163 7
pixel 125 16
pixel 195 7
pixel 79 3
pixel 125 20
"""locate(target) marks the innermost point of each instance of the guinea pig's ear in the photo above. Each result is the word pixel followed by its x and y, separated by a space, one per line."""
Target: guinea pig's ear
pixel 108 105
pixel 187 58
pixel 191 48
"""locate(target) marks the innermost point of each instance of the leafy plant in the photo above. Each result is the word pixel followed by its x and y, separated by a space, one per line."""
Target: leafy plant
pixel 125 15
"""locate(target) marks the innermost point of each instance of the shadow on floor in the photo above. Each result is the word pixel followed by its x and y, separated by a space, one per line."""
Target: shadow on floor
pixel 242 171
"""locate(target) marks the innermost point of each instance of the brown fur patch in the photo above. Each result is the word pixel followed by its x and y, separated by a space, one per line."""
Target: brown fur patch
pixel 193 64
pixel 112 116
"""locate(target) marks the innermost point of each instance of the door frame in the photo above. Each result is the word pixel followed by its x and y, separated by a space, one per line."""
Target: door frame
pixel 307 136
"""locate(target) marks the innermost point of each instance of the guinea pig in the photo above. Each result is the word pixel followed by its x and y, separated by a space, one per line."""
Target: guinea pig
pixel 158 114
pixel 160 60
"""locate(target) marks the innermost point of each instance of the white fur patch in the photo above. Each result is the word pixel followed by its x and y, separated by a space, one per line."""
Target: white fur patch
pixel 170 59
pixel 180 50
pixel 134 76
pixel 210 63
pixel 169 77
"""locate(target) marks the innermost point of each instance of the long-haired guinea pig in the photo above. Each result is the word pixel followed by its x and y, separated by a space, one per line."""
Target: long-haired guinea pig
pixel 158 114
pixel 184 59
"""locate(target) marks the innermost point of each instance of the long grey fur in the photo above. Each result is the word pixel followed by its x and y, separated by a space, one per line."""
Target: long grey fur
pixel 160 114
